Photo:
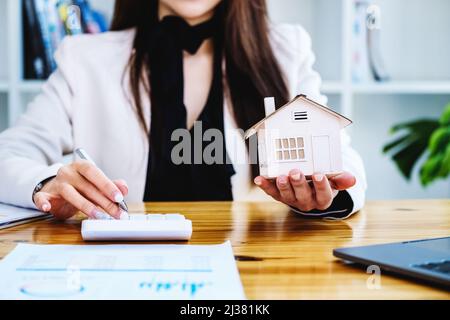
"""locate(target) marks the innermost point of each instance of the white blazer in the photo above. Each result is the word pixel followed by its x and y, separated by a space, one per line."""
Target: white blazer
pixel 87 103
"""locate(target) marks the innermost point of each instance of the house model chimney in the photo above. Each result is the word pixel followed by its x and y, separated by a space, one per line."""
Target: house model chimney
pixel 269 105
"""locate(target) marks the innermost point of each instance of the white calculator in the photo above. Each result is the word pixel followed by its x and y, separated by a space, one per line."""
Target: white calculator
pixel 139 227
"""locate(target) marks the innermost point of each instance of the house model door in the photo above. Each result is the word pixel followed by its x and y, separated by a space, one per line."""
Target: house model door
pixel 321 153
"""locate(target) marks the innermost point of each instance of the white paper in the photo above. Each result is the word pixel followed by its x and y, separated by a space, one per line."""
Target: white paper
pixel 203 272
pixel 11 214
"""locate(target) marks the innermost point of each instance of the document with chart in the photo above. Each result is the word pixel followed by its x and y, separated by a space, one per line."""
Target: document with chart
pixel 204 272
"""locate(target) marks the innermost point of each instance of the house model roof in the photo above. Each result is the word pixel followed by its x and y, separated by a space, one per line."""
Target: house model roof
pixel 343 120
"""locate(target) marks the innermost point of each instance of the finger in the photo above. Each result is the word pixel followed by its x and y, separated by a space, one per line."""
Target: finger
pixel 268 187
pixel 42 201
pixel 343 181
pixel 93 194
pixel 324 194
pixel 303 192
pixel 286 191
pixel 122 185
pixel 98 179
pixel 72 196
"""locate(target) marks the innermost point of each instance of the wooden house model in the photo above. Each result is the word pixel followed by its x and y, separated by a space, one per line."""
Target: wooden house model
pixel 302 134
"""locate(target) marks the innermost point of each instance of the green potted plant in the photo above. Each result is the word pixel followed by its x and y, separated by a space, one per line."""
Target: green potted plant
pixel 430 137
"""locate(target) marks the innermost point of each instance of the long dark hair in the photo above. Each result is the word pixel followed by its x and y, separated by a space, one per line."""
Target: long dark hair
pixel 252 72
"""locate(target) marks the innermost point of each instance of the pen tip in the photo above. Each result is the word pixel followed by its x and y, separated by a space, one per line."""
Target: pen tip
pixel 123 206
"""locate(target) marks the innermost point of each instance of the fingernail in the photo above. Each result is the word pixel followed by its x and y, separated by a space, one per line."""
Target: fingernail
pixel 118 197
pixel 101 215
pixel 124 215
pixel 45 207
pixel 258 181
pixel 319 177
pixel 283 180
pixel 296 176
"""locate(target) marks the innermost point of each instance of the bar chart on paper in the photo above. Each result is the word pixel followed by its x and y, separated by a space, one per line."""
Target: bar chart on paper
pixel 120 272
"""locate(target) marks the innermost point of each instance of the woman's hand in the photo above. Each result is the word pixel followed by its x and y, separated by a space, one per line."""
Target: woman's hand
pixel 296 192
pixel 81 186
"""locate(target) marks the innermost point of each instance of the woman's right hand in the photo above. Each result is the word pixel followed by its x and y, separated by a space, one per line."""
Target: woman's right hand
pixel 81 186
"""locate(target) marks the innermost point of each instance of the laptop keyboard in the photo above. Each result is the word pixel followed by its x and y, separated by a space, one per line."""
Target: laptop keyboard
pixel 440 267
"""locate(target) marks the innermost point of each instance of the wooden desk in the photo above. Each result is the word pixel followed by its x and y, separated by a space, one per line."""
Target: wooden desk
pixel 282 256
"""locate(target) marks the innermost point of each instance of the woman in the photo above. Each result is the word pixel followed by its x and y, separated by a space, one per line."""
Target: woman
pixel 166 65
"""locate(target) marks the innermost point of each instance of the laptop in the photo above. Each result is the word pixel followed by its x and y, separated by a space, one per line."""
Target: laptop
pixel 11 216
pixel 427 260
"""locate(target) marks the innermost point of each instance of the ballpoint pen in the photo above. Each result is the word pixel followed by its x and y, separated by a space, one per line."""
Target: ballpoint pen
pixel 83 155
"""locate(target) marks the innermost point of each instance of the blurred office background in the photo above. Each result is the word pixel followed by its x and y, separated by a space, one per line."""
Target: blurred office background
pixel 413 44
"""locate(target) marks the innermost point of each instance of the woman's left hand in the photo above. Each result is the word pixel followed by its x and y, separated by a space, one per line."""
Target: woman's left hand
pixel 295 191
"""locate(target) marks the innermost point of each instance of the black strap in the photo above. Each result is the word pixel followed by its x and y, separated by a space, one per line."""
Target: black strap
pixel 341 208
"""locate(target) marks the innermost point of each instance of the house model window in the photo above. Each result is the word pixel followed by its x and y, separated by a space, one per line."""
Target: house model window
pixel 300 116
pixel 290 149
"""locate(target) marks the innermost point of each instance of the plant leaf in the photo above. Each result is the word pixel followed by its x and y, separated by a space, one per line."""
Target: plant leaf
pixel 428 125
pixel 396 143
pixel 439 140
pixel 445 118
pixel 407 156
pixel 430 169
pixel 445 166
pixel 407 149
pixel 423 135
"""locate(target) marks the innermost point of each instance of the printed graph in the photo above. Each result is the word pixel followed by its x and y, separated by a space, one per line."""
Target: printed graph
pixel 142 272
pixel 185 288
